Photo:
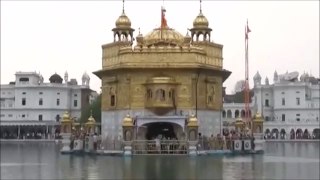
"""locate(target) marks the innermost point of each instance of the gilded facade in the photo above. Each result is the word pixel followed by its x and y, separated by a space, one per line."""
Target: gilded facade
pixel 162 76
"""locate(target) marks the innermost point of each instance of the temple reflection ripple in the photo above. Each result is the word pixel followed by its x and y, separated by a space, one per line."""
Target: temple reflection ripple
pixel 295 160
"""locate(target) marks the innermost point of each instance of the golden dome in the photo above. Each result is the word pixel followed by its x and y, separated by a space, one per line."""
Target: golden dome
pixel 166 35
pixel 91 119
pixel 258 117
pixel 193 121
pixel 193 118
pixel 200 21
pixel 123 21
pixel 127 121
pixel 66 116
pixel 127 118
pixel 239 121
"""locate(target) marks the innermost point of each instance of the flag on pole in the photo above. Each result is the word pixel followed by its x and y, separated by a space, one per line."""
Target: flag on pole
pixel 163 18
pixel 247 30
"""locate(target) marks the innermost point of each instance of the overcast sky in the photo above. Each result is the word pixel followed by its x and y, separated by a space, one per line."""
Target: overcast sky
pixel 59 36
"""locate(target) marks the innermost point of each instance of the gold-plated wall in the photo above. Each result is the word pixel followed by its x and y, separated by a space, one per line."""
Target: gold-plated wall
pixel 196 70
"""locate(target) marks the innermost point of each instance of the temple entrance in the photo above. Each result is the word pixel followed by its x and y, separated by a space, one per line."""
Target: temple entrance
pixel 164 129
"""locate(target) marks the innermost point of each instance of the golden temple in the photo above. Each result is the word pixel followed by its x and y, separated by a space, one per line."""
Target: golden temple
pixel 161 78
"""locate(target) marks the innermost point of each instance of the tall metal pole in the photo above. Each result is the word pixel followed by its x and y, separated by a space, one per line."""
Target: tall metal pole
pixel 246 92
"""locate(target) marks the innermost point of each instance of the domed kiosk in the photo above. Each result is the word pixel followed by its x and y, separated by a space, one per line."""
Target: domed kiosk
pixel 55 78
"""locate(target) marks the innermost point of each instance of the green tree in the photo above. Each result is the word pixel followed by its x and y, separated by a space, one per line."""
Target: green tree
pixel 95 106
pixel 238 97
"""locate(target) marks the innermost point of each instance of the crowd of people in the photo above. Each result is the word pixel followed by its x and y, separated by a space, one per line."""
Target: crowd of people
pixel 167 145
pixel 223 141
pixel 85 138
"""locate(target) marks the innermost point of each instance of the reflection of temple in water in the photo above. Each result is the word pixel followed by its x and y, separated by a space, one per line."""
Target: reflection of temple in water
pixel 161 80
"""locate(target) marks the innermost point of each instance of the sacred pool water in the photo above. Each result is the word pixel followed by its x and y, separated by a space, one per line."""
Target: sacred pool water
pixel 40 160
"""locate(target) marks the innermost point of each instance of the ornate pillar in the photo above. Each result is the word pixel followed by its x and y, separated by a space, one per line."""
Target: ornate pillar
pixel 90 125
pixel 257 132
pixel 90 130
pixel 239 125
pixel 192 134
pixel 240 128
pixel 66 127
pixel 257 124
pixel 127 131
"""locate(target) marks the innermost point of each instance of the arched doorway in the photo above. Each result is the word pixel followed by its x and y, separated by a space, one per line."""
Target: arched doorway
pixel 299 133
pixel 306 134
pixel 164 129
pixel 282 134
pixel 275 133
pixel 316 133
pixel 267 133
pixel 292 134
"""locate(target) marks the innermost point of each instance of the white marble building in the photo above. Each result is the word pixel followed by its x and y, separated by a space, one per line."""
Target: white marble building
pixel 31 105
pixel 290 106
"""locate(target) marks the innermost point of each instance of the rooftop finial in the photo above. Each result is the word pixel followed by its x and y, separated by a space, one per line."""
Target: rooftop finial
pixel 200 6
pixel 123 6
pixel 139 30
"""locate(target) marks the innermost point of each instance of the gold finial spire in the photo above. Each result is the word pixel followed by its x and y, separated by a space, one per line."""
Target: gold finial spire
pixel 122 6
pixel 90 112
pixel 200 6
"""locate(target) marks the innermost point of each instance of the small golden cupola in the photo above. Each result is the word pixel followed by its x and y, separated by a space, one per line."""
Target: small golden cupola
pixel 66 117
pixel 200 30
pixel 90 124
pixel 139 38
pixel 123 30
pixel 187 38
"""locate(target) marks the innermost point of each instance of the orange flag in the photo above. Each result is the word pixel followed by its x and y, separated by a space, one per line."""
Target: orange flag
pixel 163 18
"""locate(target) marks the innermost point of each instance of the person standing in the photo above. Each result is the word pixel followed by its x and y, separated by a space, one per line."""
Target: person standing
pixel 95 141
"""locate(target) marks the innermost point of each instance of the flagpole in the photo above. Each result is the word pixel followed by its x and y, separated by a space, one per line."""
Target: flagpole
pixel 161 26
pixel 247 90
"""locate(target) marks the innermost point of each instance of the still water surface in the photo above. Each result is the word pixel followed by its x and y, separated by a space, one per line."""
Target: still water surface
pixel 39 160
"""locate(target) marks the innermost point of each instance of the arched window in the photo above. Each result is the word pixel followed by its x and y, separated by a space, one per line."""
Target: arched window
pixel 160 94
pixel 200 37
pixel 243 113
pixel 112 100
pixel 224 114
pixel 236 113
pixel 112 94
pixel 57 118
pixel 163 94
pixel 229 114
pixel 149 93
pixel 171 94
